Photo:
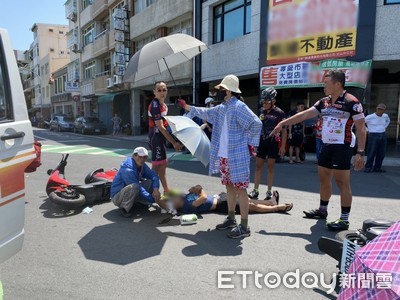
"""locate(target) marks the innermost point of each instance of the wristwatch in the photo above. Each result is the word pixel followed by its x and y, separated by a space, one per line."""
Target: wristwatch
pixel 361 152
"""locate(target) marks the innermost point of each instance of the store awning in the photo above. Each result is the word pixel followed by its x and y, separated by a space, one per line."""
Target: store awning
pixel 107 98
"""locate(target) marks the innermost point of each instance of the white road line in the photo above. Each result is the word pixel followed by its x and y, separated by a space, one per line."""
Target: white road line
pixel 107 139
pixel 71 140
pixel 107 151
pixel 58 147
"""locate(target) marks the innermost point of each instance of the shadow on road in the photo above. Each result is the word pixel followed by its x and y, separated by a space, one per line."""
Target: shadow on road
pixel 209 242
pixel 53 211
pixel 317 230
pixel 124 241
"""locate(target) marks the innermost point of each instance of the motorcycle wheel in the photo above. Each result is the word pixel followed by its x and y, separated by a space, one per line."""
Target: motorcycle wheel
pixel 70 199
pixel 351 235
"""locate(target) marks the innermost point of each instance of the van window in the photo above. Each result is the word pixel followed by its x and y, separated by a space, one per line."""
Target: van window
pixel 5 99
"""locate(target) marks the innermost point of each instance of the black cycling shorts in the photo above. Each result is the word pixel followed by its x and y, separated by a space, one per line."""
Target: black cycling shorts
pixel 158 149
pixel 268 148
pixel 335 156
pixel 222 207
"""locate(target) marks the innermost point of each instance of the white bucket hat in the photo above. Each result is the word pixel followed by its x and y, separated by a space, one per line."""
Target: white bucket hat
pixel 230 83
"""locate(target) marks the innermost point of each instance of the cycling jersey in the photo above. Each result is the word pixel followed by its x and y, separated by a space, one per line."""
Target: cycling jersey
pixel 156 112
pixel 270 120
pixel 338 118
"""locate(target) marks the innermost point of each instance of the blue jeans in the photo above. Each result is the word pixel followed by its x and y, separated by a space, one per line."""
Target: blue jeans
pixel 375 151
pixel 318 147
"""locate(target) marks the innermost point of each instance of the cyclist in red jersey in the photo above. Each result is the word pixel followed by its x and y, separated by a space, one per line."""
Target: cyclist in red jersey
pixel 158 132
pixel 340 112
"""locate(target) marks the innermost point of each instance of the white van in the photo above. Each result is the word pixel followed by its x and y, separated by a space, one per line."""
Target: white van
pixel 16 151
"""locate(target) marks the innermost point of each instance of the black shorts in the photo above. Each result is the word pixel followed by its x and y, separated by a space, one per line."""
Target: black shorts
pixel 158 149
pixel 268 148
pixel 222 207
pixel 335 156
pixel 296 140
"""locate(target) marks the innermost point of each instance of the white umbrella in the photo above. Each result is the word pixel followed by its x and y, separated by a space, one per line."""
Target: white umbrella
pixel 161 55
pixel 192 136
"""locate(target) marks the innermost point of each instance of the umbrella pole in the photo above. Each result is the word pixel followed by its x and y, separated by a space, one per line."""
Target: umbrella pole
pixel 169 71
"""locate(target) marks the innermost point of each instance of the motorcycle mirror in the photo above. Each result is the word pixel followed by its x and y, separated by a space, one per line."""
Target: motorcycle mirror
pixel 49 171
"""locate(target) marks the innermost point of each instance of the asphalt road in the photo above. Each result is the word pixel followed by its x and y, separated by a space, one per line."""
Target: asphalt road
pixel 72 255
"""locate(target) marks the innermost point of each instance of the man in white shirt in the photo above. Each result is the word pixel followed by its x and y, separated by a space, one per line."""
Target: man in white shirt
pixel 377 124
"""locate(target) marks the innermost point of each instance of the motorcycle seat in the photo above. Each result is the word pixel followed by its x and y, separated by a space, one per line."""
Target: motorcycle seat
pixel 373 232
pixel 376 223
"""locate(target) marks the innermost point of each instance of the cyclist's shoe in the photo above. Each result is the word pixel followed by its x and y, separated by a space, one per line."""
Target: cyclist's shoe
pixel 315 214
pixel 228 223
pixel 338 225
pixel 238 232
pixel 253 194
pixel 268 196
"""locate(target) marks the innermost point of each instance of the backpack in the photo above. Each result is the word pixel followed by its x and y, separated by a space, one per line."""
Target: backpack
pixel 38 160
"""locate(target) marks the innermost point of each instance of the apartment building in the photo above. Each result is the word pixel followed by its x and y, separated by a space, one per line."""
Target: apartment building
pixel 231 29
pixel 236 32
pixel 98 37
pixel 47 53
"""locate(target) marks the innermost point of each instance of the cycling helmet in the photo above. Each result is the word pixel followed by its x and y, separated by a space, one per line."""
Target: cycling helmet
pixel 268 94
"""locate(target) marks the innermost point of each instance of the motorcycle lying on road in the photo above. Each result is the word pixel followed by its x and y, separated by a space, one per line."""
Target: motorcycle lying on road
pixel 334 247
pixel 96 188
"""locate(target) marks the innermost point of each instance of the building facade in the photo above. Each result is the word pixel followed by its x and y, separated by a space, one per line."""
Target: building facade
pixel 47 53
pixel 98 37
pixel 104 34
pixel 231 29
pixel 236 32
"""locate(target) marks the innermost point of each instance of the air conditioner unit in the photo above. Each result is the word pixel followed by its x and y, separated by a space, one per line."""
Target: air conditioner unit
pixel 110 82
pixel 75 48
pixel 117 79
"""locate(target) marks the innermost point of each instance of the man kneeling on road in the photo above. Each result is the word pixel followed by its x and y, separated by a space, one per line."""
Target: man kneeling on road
pixel 135 181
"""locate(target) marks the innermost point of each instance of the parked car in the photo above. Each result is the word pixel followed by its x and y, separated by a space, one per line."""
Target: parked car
pixel 17 152
pixel 89 125
pixel 61 123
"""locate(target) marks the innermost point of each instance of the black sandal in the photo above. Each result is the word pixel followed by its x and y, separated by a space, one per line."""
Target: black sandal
pixel 276 195
pixel 289 207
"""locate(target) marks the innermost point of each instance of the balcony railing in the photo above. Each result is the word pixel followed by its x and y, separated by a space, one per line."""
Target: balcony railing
pixel 100 82
pixel 71 10
pixel 71 38
pixel 100 9
pixel 86 15
pixel 87 53
pixel 87 88
pixel 101 43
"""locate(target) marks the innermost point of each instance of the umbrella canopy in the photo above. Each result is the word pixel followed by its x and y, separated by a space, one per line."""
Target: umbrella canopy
pixel 192 136
pixel 381 258
pixel 161 55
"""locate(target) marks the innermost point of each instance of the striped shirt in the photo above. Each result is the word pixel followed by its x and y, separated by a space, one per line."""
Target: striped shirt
pixel 244 128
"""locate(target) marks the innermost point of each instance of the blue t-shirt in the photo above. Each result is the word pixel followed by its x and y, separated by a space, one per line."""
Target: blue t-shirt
pixel 188 208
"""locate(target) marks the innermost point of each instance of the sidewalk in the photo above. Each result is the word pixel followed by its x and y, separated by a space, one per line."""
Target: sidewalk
pixel 392 159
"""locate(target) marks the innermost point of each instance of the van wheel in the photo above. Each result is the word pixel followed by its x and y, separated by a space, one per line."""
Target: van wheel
pixel 69 198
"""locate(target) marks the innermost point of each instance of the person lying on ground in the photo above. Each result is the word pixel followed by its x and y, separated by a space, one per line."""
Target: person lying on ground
pixel 197 201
